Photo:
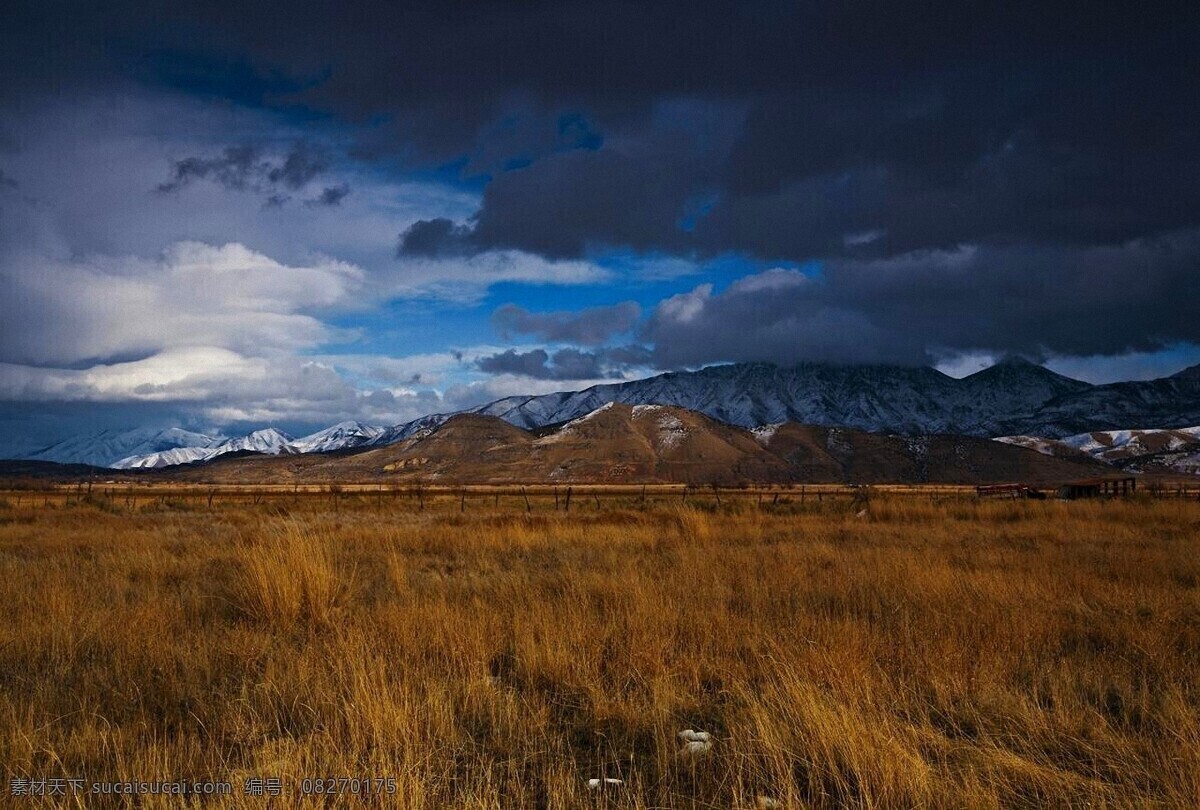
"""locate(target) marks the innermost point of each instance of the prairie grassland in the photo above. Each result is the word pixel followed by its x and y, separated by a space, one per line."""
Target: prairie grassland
pixel 956 655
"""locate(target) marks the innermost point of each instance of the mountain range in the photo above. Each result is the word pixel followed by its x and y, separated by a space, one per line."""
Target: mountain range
pixel 619 443
pixel 1012 398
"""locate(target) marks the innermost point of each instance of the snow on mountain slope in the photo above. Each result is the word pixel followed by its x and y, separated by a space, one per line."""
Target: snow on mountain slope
pixel 109 446
pixel 268 440
pixel 342 436
pixel 415 428
pixel 1047 447
pixel 1009 389
pixel 669 431
pixel 751 394
pixel 1012 397
pixel 878 398
pixel 1168 402
pixel 1117 444
pixel 1151 450
pixel 166 458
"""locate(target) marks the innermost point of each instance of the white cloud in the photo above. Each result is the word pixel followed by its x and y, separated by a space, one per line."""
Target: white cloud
pixel 466 279
pixel 961 364
pixel 685 307
pixel 777 278
pixel 89 170
pixel 62 312
pixel 204 297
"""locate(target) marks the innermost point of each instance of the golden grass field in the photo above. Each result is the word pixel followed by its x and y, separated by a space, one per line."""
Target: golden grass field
pixel 953 654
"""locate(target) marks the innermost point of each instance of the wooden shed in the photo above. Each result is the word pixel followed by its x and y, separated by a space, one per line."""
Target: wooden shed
pixel 1098 488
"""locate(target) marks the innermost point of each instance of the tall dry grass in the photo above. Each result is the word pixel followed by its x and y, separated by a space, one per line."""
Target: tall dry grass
pixel 289 575
pixel 960 654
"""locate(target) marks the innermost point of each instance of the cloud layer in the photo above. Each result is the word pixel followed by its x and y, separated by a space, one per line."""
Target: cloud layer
pixel 919 307
pixel 590 327
pixel 329 210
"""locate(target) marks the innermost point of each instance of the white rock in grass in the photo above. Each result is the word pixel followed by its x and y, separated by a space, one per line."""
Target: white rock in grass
pixel 767 803
pixel 863 515
pixel 695 742
pixel 608 781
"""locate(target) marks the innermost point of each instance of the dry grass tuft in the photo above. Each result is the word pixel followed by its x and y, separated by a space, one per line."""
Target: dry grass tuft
pixel 289 576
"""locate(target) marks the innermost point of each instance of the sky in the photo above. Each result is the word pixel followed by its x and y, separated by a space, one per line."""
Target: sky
pixel 223 216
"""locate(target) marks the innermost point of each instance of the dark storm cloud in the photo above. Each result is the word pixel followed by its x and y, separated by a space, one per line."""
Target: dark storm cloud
pixel 1058 140
pixel 219 75
pixel 435 237
pixel 246 168
pixel 948 123
pixel 330 195
pixel 989 123
pixel 1034 301
pixel 565 364
pixel 525 364
pixel 236 168
pixel 568 203
pixel 301 165
pixel 590 327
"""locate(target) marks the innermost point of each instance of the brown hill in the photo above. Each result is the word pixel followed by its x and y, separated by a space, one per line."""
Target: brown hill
pixel 838 454
pixel 649 443
pixel 616 443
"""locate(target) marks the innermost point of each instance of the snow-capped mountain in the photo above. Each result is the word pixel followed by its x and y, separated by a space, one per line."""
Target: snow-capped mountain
pixel 1153 450
pixel 1012 398
pixel 1168 402
pixel 268 440
pixel 416 427
pixel 1012 385
pixel 752 394
pixel 110 446
pixel 341 436
pixel 166 458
